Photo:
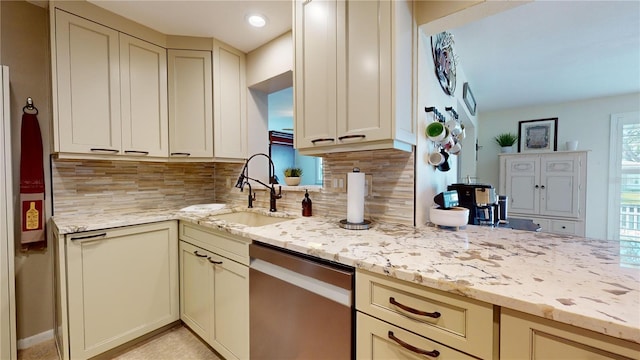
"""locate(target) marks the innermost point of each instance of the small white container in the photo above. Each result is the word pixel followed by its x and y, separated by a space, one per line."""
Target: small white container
pixel 454 217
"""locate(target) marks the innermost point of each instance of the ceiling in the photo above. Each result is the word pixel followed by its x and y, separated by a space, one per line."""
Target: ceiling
pixel 547 52
pixel 221 19
pixel 537 53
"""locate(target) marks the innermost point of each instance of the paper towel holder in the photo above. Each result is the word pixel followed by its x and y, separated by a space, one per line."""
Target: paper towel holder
pixel 364 225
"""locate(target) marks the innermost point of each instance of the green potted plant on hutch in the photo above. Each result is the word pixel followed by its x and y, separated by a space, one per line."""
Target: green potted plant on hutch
pixel 506 141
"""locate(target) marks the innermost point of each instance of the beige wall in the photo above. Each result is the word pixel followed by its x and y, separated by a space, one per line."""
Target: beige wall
pixel 25 49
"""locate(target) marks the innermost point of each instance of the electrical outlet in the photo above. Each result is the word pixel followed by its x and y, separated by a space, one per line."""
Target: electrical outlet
pixel 340 183
pixel 228 182
pixel 368 185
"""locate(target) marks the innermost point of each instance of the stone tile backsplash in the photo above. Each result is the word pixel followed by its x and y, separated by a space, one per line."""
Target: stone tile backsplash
pixel 115 186
pixel 392 190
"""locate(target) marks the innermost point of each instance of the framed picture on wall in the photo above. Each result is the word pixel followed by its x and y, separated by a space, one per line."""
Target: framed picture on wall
pixel 469 100
pixel 538 135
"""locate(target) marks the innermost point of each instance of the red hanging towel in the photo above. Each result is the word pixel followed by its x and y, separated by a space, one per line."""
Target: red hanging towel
pixel 33 235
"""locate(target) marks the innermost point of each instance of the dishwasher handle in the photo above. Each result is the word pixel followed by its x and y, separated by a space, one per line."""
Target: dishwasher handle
pixel 334 274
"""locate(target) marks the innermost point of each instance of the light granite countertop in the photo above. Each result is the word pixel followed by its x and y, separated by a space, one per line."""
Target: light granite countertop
pixel 572 280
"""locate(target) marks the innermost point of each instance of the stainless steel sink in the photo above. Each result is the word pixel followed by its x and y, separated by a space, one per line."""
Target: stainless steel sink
pixel 251 219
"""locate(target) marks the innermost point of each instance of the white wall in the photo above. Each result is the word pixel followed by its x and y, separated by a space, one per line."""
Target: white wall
pixel 587 121
pixel 430 181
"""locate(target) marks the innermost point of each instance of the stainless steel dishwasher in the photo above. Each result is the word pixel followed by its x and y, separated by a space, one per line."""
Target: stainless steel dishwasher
pixel 300 307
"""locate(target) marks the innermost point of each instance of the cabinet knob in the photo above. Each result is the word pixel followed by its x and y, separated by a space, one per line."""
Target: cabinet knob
pixel 542 187
pixel 564 227
pixel 537 186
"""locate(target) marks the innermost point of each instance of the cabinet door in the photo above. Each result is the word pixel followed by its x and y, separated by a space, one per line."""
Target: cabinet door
pixel 524 336
pixel 522 184
pixel 559 186
pixel 143 74
pixel 316 66
pixel 88 86
pixel 231 308
pixel 190 104
pixel 376 339
pixel 196 289
pixel 122 283
pixel 229 119
pixel 369 79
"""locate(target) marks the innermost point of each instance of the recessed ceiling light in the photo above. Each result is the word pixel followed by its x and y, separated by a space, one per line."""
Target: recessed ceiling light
pixel 257 20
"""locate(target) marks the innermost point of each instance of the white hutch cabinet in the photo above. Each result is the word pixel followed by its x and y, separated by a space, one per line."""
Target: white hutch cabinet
pixel 549 188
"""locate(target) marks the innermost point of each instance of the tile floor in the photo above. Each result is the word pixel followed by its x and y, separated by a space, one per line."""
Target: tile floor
pixel 176 343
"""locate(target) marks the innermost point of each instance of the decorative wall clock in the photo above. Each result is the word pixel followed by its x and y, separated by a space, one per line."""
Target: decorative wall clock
pixel 444 60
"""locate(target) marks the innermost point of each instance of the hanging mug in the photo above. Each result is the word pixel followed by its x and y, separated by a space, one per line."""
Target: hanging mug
pixel 436 158
pixel 435 131
pixel 444 166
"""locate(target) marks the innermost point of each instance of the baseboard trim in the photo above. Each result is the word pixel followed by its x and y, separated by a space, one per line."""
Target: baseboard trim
pixel 35 339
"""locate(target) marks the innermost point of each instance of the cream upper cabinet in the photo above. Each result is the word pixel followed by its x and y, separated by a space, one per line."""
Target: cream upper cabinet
pixel 87 73
pixel 524 336
pixel 316 78
pixel 143 74
pixel 354 65
pixel 111 91
pixel 551 187
pixel 190 104
pixel 229 103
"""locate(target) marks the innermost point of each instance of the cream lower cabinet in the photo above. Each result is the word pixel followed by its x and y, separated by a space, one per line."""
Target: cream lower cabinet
pixel 400 320
pixel 524 336
pixel 354 63
pixel 214 290
pixel 114 286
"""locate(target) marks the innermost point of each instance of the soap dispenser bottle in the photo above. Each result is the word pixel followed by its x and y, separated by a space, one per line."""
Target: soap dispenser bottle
pixel 306 204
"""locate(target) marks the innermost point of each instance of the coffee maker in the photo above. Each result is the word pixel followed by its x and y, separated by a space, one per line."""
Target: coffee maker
pixel 481 201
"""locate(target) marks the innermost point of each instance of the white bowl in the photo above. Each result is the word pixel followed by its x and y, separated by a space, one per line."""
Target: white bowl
pixel 455 216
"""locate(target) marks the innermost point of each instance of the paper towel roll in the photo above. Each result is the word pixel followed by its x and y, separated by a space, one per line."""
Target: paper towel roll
pixel 355 197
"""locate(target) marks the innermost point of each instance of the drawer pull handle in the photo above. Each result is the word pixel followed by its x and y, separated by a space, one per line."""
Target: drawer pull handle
pixel 214 262
pixel 434 315
pixel 199 255
pixel 417 350
pixel 105 150
pixel 136 152
pixel 94 236
pixel 345 137
pixel 314 141
pixel 180 154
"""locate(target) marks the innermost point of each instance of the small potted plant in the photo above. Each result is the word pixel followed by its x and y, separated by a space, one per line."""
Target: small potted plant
pixel 292 176
pixel 506 141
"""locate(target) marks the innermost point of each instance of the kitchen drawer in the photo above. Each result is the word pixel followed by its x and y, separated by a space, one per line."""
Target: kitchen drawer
pixel 231 246
pixel 567 227
pixel 563 227
pixel 376 339
pixel 464 324
pixel 545 224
